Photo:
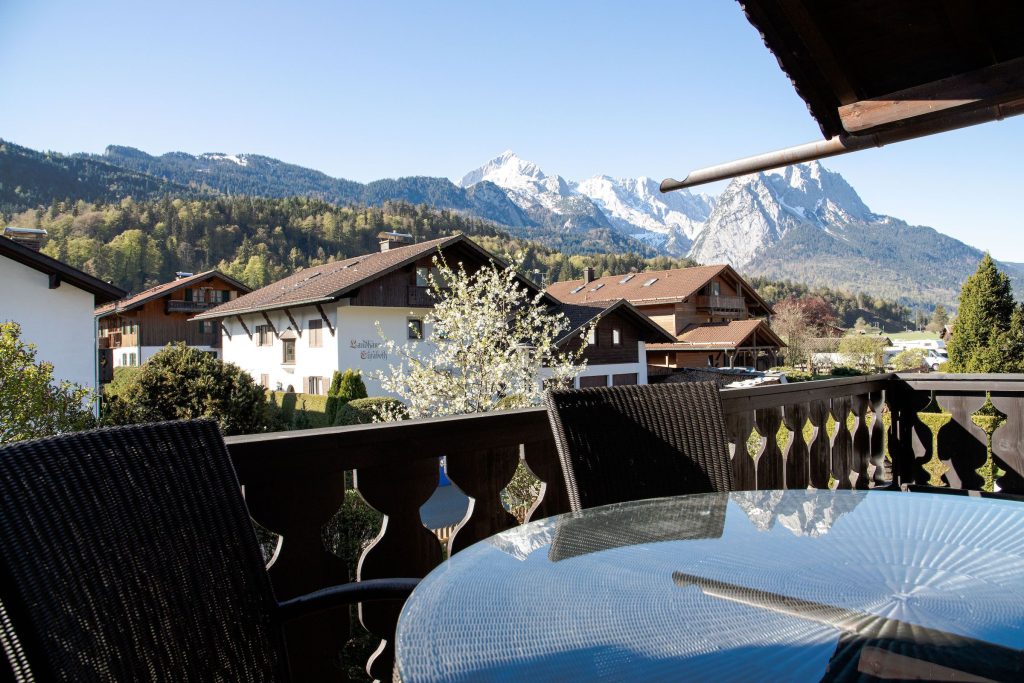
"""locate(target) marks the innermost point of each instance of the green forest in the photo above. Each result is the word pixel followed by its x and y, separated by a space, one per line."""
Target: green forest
pixel 136 245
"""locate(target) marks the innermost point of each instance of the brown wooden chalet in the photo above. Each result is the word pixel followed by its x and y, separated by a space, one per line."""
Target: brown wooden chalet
pixel 714 317
pixel 619 337
pixel 132 329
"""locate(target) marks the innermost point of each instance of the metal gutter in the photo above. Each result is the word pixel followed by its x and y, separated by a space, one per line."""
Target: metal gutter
pixel 842 144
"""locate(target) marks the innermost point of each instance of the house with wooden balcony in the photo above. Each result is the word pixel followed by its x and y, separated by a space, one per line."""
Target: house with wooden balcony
pixel 293 334
pixel 133 329
pixel 714 317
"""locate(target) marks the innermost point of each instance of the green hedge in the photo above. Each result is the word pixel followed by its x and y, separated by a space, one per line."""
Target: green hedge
pixel 846 371
pixel 794 375
pixel 299 411
pixel 362 410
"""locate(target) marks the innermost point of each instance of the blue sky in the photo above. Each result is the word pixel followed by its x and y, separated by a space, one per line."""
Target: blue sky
pixel 370 90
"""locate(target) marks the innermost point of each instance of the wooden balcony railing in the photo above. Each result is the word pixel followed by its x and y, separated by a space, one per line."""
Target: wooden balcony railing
pixel 420 297
pixel 859 432
pixel 720 303
pixel 111 340
pixel 176 306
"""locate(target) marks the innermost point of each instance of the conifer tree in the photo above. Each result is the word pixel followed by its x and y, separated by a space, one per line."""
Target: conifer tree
pixel 984 337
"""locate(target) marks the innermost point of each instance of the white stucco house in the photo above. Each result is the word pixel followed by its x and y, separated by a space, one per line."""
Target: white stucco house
pixel 295 333
pixel 54 304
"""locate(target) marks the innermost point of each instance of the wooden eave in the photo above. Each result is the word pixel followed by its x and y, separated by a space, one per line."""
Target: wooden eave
pixel 870 67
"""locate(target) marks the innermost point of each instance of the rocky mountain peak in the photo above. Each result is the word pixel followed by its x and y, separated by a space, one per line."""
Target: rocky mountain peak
pixel 506 170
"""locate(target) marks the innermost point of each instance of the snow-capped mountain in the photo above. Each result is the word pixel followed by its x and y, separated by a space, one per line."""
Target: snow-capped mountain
pixel 757 211
pixel 551 201
pixel 633 207
pixel 808 224
pixel 669 222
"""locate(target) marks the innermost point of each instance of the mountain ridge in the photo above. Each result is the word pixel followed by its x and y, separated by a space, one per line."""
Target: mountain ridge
pixel 805 222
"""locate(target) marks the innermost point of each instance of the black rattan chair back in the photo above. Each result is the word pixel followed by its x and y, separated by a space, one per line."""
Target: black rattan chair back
pixel 128 554
pixel 633 442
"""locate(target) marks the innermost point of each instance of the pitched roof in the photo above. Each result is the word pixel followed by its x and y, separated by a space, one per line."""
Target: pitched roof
pixel 652 286
pixel 59 271
pixel 729 335
pixel 579 315
pixel 331 281
pixel 142 297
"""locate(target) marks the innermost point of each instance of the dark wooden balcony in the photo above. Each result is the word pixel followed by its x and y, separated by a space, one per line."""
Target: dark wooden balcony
pixel 111 340
pixel 858 432
pixel 720 303
pixel 180 306
pixel 420 297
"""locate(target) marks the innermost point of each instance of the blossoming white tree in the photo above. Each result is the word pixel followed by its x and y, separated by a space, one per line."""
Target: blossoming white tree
pixel 492 345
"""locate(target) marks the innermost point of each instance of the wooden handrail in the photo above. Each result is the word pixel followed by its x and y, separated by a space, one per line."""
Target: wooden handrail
pixel 294 481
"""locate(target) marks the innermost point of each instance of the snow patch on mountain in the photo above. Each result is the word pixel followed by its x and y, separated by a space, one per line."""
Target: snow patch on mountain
pixel 637 206
pixel 236 159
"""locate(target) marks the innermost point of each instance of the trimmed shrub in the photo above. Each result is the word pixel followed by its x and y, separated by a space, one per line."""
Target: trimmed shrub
pixel 364 410
pixel 793 375
pixel 344 388
pixel 182 383
pixel 846 371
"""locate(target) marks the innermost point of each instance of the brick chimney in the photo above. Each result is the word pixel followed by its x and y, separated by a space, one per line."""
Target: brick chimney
pixel 32 238
pixel 391 240
pixel 588 275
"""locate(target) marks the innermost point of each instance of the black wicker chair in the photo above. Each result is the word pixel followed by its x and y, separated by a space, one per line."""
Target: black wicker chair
pixel 632 442
pixel 128 554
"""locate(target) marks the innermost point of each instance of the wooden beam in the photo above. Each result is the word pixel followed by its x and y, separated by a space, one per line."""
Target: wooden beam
pixel 295 325
pixel 244 326
pixel 225 329
pixel 991 86
pixel 820 49
pixel 324 317
pixel 270 324
pixel 54 280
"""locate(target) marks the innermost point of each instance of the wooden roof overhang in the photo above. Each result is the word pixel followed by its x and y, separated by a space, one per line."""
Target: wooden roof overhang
pixel 873 72
pixel 653 332
pixel 747 341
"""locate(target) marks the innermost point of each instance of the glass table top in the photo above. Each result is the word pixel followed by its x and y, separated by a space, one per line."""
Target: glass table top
pixel 754 585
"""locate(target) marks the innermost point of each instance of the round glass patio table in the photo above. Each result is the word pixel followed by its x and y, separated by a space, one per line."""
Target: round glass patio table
pixel 754 585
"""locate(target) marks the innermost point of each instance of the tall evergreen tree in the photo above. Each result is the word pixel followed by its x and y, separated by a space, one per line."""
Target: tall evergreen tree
pixel 983 338
pixel 939 319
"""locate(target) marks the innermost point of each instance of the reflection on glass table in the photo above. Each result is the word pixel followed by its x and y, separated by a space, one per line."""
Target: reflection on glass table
pixel 758 585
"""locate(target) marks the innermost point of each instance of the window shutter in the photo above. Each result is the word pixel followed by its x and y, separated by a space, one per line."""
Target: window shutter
pixel 305 385
pixel 324 383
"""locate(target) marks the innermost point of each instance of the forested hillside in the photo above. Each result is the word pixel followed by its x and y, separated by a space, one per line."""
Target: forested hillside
pixel 848 307
pixel 29 178
pixel 136 244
